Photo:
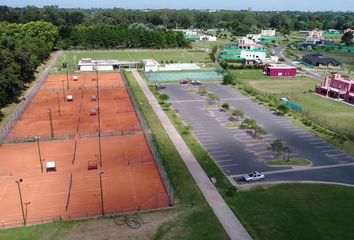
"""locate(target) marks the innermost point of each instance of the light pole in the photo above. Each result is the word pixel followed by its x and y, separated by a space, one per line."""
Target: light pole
pixel 39 153
pixel 100 172
pixel 18 181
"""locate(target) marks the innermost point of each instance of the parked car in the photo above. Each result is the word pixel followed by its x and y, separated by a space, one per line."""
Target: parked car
pixel 160 86
pixel 253 176
pixel 196 82
pixel 184 82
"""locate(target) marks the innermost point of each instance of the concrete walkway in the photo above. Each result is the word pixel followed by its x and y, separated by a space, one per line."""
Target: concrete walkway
pixel 222 211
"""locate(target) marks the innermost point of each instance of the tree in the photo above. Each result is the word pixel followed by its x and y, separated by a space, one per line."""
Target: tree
pixel 164 97
pixel 225 107
pixel 279 148
pixel 347 39
pixel 212 98
pixel 203 90
pixel 236 114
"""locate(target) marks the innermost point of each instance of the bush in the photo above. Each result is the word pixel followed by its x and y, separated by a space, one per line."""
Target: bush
pixel 225 107
pixel 228 79
pixel 230 192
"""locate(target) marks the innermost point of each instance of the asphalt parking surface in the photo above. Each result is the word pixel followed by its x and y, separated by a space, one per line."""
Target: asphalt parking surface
pixel 237 153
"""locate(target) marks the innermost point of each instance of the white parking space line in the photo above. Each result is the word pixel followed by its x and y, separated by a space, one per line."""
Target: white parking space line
pixel 316 143
pixel 214 148
pixel 335 155
pixel 216 151
pixel 229 165
pixel 210 144
pixel 327 151
pixel 256 148
pixel 224 160
pixel 221 155
pixel 324 146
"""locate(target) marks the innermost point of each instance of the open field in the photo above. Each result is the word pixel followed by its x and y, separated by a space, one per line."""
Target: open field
pixel 297 211
pixel 182 55
pixel 335 113
pixel 130 178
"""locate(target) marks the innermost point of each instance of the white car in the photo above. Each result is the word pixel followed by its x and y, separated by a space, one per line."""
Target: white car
pixel 253 176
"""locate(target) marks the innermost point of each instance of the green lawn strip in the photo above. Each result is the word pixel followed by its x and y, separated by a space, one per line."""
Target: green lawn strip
pixel 182 55
pixel 298 211
pixel 45 231
pixel 291 162
pixel 189 197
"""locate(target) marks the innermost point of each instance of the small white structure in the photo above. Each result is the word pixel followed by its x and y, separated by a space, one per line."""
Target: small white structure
pixel 150 65
pixel 190 33
pixel 75 78
pixel 207 38
pixel 51 166
pixel 254 37
pixel 268 32
pixel 87 64
pixel 69 98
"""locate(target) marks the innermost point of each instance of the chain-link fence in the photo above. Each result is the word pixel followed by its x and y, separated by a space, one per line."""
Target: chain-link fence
pixel 155 152
pixel 23 105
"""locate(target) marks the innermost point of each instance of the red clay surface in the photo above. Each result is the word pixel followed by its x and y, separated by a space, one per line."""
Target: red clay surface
pixel 130 179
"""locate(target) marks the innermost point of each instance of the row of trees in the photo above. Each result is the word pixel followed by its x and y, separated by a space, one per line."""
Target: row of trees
pixel 239 21
pixel 22 48
pixel 118 37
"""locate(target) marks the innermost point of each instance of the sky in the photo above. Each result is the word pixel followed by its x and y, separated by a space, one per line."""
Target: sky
pixel 262 5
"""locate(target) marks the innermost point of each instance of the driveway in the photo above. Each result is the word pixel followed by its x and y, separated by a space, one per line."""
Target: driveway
pixel 237 153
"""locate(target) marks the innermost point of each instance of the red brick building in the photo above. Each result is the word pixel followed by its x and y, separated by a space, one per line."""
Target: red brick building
pixel 279 70
pixel 337 87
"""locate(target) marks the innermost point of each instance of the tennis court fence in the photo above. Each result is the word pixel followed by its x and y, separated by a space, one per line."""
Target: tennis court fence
pixel 154 150
pixel 23 105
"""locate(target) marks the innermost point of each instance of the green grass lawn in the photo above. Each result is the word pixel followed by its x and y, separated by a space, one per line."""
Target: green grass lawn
pixel 297 211
pixel 291 162
pixel 182 55
pixel 279 86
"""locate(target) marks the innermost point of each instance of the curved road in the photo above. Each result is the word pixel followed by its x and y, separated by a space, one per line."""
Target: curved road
pixel 279 52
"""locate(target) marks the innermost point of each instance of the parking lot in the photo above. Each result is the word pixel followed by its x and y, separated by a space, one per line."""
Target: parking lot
pixel 237 153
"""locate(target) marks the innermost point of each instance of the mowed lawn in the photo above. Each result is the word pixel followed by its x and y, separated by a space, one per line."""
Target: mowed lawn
pixel 297 211
pixel 183 55
pixel 335 113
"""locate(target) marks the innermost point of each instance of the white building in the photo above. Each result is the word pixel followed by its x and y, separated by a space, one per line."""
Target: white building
pixel 150 65
pixel 251 55
pixel 207 38
pixel 87 64
pixel 268 33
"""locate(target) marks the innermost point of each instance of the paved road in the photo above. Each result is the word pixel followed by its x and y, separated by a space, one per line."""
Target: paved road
pixel 222 211
pixel 279 52
pixel 237 153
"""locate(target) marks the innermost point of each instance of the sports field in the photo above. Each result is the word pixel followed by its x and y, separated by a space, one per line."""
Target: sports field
pixel 121 157
pixel 182 55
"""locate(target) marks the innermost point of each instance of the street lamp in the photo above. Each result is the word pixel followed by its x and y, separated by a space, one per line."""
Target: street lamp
pixel 18 181
pixel 100 172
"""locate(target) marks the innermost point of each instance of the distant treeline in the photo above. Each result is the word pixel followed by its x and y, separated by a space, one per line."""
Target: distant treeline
pixel 239 22
pixel 88 37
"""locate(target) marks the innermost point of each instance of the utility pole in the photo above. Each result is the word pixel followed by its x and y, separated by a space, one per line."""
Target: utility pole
pixel 51 123
pixel 18 181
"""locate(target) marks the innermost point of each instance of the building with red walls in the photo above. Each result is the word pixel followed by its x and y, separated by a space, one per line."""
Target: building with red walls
pixel 279 70
pixel 337 87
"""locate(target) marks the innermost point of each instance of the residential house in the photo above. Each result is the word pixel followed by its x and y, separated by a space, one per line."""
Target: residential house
pixel 245 43
pixel 337 87
pixel 268 32
pixel 349 30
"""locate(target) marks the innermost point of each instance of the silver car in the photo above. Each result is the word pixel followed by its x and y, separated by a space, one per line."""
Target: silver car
pixel 253 176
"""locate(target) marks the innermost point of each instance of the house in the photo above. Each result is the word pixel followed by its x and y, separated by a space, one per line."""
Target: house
pixel 87 64
pixel 319 60
pixel 337 87
pixel 245 43
pixel 315 34
pixel 276 70
pixel 207 38
pixel 253 56
pixel 333 31
pixel 268 33
pixel 349 30
pixel 150 65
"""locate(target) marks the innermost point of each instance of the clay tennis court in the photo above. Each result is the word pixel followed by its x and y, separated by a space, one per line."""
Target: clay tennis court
pixel 130 178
